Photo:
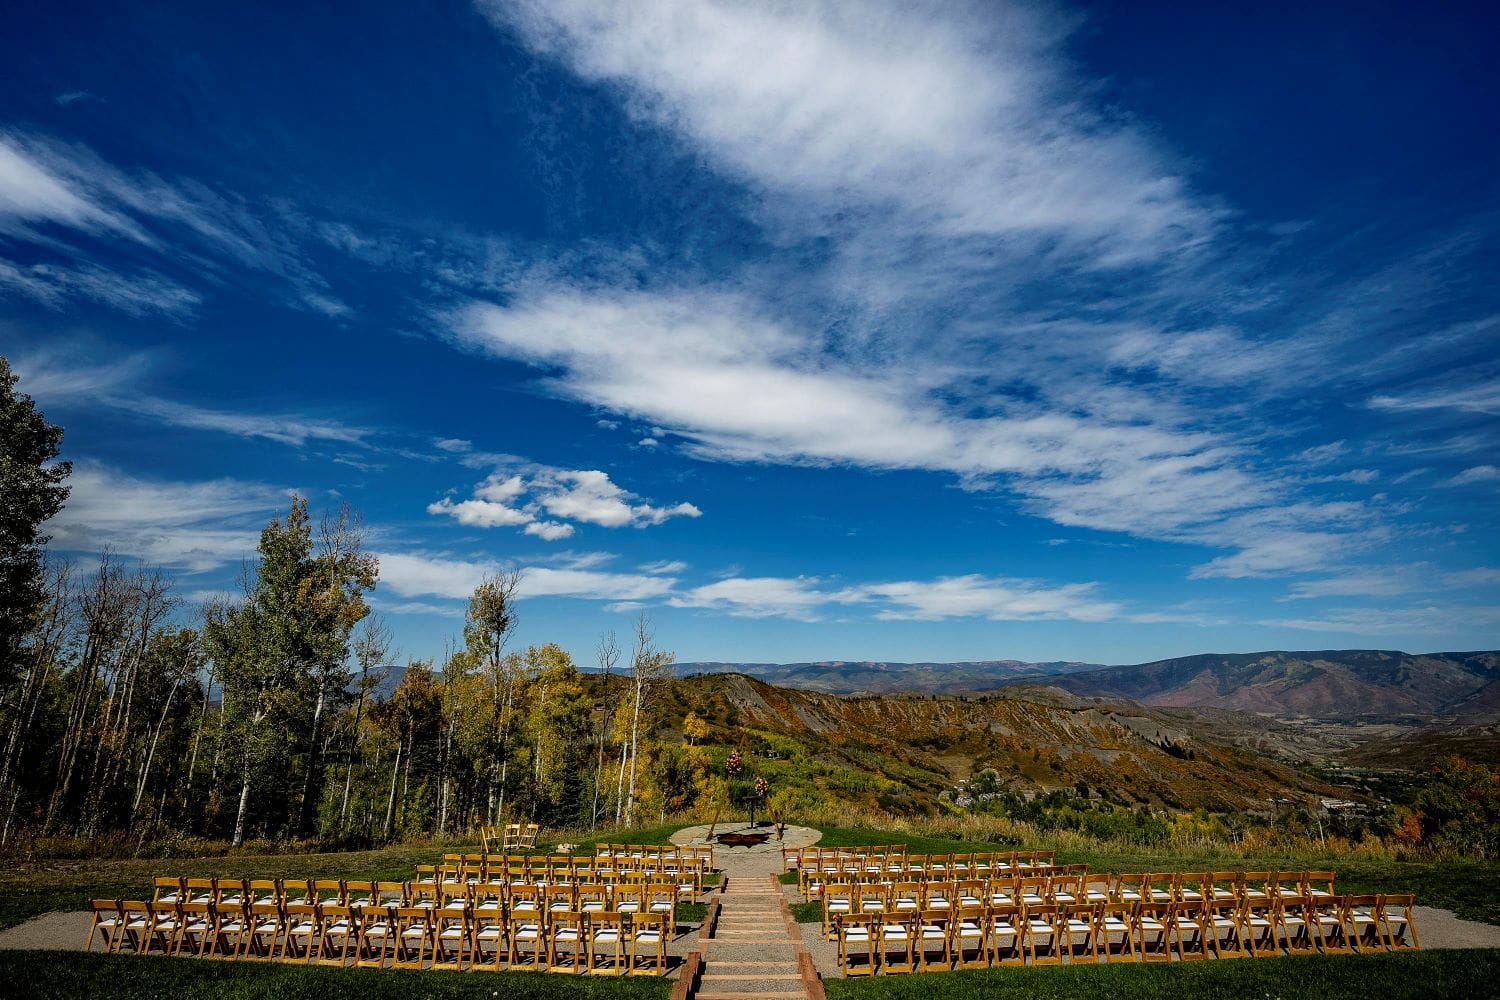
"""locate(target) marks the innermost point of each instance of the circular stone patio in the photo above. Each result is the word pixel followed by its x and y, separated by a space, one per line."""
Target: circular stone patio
pixel 792 836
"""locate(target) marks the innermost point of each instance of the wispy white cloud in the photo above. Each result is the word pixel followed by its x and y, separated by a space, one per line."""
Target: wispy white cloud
pixel 976 596
pixel 757 597
pixel 937 120
pixel 196 526
pixel 1427 620
pixel 60 197
pixel 67 375
pixel 133 294
pixel 1474 474
pixel 420 575
pixel 1483 397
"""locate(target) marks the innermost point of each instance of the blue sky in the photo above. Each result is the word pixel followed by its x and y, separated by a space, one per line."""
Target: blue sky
pixel 886 331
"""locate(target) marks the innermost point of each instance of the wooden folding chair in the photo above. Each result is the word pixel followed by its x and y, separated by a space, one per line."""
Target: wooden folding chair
pixel 529 836
pixel 1286 885
pixel 1160 887
pixel 969 936
pixel 488 946
pixel 1043 935
pixel 299 939
pixel 1131 888
pixel 937 895
pixel 359 893
pixel 971 892
pixel 896 949
pixel 1254 887
pixel 337 935
pixel 1191 933
pixel 838 901
pixel 1097 888
pixel 411 930
pixel 1004 934
pixel 872 898
pixel 163 920
pixel 1152 943
pixel 377 936
pixel 452 940
pixel 1192 887
pixel 605 946
pixel 135 921
pixel 199 890
pixel 661 899
pixel 858 937
pixel 228 931
pixel 648 943
pixel 1223 887
pixel 168 889
pixel 1297 918
pixel 565 941
pixel 233 891
pixel 193 928
pixel 264 935
pixel 330 890
pixel 295 891
pixel 1065 889
pixel 105 918
pixel 1079 923
pixel 1262 925
pixel 525 934
pixel 1114 930
pixel 1319 885
pixel 1333 917
pixel 935 938
pixel 1364 925
pixel 1398 925
pixel 264 890
pixel 1225 925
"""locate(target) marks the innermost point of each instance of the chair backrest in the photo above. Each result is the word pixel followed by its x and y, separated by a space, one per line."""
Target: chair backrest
pixel 166 888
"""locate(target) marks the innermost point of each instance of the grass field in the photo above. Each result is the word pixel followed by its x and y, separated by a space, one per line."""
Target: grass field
pixel 1402 976
pixel 1469 888
pixel 28 889
pixel 40 974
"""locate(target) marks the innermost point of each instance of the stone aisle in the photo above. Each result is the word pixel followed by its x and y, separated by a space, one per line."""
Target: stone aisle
pixel 755 951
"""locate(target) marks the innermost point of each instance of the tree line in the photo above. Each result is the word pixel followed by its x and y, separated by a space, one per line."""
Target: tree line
pixel 281 711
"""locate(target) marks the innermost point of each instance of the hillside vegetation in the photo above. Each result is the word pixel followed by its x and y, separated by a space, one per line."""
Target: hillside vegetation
pixel 902 752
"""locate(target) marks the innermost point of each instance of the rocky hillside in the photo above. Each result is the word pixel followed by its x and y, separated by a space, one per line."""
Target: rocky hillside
pixel 1324 684
pixel 901 751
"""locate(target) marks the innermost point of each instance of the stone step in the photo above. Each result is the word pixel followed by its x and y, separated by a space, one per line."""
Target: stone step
pixel 751 976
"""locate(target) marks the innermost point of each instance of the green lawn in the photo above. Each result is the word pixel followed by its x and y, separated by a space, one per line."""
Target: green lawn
pixel 50 974
pixel 1469 888
pixel 1469 973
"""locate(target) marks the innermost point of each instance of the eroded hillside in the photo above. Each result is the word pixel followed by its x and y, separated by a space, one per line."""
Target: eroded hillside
pixel 1035 738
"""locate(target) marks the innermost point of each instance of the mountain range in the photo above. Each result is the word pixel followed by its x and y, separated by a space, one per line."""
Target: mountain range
pixel 879 676
pixel 1347 683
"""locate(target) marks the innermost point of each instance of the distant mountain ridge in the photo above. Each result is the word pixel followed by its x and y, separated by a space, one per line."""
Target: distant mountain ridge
pixel 886 677
pixel 1337 683
pixel 1330 683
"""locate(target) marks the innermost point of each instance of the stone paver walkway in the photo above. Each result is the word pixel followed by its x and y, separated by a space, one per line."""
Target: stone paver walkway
pixel 755 952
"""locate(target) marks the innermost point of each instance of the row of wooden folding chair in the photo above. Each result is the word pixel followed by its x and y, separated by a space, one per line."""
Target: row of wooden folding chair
pixel 1048 934
pixel 687 885
pixel 599 942
pixel 621 852
pixel 811 879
